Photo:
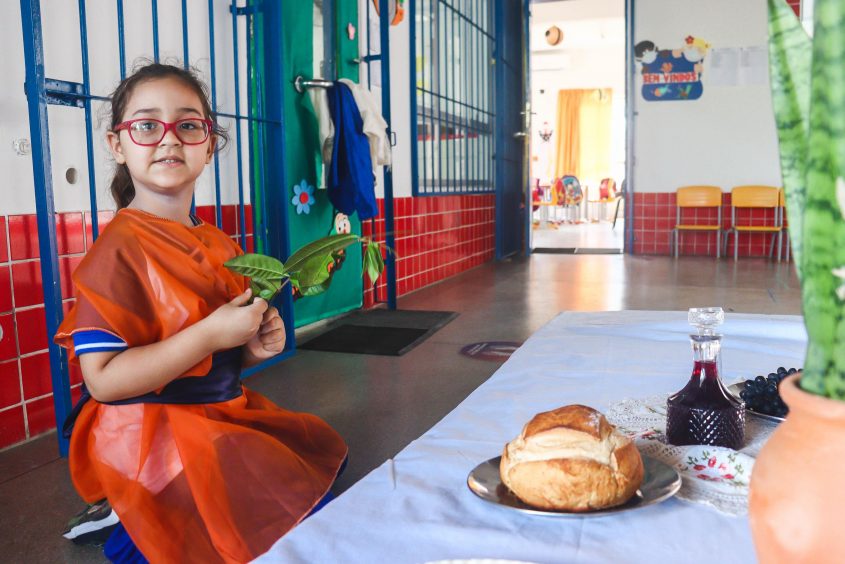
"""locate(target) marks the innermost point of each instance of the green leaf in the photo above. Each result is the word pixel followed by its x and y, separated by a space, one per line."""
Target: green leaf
pixel 315 271
pixel 320 247
pixel 257 266
pixel 266 294
pixel 790 61
pixel 314 290
pixel 373 261
pixel 824 226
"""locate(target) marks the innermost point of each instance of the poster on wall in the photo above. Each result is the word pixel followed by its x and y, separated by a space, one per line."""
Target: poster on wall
pixel 671 74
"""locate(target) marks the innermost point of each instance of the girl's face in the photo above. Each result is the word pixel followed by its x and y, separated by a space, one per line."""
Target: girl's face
pixel 170 168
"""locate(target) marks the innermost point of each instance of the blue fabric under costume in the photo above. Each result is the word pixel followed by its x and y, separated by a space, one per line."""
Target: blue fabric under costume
pixel 350 183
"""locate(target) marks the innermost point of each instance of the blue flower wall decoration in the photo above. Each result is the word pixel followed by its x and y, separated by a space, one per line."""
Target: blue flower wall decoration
pixel 303 197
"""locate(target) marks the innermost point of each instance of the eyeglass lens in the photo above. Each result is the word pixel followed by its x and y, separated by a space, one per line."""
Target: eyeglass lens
pixel 151 132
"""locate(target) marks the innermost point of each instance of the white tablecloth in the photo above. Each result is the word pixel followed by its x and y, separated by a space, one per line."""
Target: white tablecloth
pixel 417 508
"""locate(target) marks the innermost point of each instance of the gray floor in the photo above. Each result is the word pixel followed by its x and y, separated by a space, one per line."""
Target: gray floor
pixel 380 404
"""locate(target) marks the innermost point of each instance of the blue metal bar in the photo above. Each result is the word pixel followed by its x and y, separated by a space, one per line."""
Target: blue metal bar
pixel 491 102
pixel 154 4
pixel 476 102
pixel 121 39
pixel 630 124
pixel 367 59
pixel 431 86
pixel 412 44
pixel 186 64
pixel 252 127
pixel 449 88
pixel 236 59
pixel 464 74
pixel 42 175
pixel 526 174
pixel 275 200
pixel 453 122
pixel 441 60
pixel 186 60
pixel 213 85
pixel 89 146
pixel 415 191
pixel 499 101
pixel 384 14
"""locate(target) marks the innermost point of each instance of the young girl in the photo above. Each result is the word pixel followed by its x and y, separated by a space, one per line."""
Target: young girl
pixel 197 467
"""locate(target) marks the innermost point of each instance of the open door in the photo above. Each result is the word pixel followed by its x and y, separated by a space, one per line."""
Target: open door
pixel 512 126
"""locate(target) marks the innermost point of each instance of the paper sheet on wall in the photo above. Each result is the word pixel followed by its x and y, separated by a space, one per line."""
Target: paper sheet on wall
pixel 753 66
pixel 723 69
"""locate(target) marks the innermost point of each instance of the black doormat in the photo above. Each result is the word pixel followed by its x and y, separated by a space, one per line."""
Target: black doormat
pixel 576 251
pixel 380 332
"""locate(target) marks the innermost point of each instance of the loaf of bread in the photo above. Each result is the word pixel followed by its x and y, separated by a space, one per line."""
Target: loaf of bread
pixel 571 459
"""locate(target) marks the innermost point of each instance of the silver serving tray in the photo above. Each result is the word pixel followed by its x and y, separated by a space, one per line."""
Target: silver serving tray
pixel 660 482
pixel 734 389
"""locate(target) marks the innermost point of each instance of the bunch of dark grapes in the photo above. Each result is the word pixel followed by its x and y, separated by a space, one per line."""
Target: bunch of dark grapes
pixel 762 395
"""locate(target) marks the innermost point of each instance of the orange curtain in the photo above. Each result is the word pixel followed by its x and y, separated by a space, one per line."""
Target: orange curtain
pixel 568 150
pixel 584 131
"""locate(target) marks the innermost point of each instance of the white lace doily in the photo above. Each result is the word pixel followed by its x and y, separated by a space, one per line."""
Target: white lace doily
pixel 715 476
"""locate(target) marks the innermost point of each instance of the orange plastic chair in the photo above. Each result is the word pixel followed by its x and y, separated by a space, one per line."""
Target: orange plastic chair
pixel 698 197
pixel 754 196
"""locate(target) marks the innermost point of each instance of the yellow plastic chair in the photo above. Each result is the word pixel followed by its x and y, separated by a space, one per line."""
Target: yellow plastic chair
pixel 698 197
pixel 754 196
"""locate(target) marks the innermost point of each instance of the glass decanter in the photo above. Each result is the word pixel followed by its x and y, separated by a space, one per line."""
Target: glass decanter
pixel 704 412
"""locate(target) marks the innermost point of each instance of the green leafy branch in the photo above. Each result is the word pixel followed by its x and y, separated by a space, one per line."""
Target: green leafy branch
pixel 308 270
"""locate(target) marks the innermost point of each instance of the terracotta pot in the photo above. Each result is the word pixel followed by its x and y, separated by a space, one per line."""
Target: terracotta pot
pixel 797 492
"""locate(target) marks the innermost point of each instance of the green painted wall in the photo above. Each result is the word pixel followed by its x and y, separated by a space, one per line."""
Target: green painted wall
pixel 302 154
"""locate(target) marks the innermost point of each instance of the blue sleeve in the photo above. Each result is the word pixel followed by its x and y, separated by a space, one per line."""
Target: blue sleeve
pixel 97 341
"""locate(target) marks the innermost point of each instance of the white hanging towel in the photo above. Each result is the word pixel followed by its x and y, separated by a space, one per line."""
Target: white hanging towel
pixel 320 102
pixel 375 128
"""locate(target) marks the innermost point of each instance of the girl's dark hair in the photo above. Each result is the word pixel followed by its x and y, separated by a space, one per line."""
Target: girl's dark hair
pixel 122 189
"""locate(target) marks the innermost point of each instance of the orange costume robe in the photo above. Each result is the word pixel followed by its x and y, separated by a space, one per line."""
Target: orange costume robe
pixel 197 482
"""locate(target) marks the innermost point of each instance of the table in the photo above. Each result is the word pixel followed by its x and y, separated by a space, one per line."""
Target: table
pixel 417 508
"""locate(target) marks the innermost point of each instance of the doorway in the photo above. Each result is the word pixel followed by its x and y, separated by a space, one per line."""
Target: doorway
pixel 578 134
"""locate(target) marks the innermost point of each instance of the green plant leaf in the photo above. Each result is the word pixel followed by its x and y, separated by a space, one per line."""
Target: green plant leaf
pixel 824 225
pixel 314 290
pixel 266 289
pixel 373 261
pixel 315 271
pixel 790 61
pixel 257 266
pixel 321 247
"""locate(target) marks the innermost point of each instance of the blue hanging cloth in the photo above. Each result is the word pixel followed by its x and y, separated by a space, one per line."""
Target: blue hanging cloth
pixel 350 182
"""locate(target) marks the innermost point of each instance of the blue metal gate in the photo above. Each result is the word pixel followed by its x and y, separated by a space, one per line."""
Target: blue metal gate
pixel 263 120
pixel 512 126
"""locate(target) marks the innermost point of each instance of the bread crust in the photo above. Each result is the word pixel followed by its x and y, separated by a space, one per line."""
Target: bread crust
pixel 571 459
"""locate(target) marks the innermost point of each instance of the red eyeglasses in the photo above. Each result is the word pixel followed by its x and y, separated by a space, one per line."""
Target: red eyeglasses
pixel 147 132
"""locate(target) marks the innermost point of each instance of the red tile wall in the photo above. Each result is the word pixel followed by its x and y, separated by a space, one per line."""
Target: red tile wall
pixel 26 395
pixel 655 215
pixel 436 238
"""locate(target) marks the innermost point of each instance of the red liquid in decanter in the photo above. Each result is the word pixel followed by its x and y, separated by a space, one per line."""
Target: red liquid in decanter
pixel 704 412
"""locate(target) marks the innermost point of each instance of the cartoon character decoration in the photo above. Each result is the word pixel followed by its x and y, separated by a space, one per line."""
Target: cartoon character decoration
pixel 672 74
